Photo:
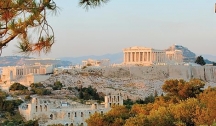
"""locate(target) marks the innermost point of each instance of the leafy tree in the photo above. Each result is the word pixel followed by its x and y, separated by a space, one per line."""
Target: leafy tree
pixel 206 114
pixel 214 64
pixel 149 99
pixel 89 93
pixel 57 85
pixel 128 103
pixel 56 125
pixel 18 18
pixel 185 111
pixel 39 89
pixel 10 105
pixel 182 89
pixel 28 97
pixel 115 117
pixel 15 122
pixel 200 61
pixel 139 120
pixel 96 120
pixel 36 85
pixel 17 86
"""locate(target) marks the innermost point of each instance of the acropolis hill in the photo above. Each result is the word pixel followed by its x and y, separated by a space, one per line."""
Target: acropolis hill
pixel 134 82
pixel 142 72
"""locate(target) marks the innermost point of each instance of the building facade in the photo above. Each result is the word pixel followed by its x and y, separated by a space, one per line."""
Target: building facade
pixel 91 62
pixel 57 111
pixel 148 56
pixel 26 74
pixel 45 61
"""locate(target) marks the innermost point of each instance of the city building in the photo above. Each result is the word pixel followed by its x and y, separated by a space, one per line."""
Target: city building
pixel 91 62
pixel 57 111
pixel 44 61
pixel 26 74
pixel 148 56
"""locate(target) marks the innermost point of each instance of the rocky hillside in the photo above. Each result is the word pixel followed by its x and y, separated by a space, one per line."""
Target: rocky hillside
pixel 187 54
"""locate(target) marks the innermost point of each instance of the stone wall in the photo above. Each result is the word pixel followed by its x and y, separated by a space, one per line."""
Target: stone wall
pixel 206 73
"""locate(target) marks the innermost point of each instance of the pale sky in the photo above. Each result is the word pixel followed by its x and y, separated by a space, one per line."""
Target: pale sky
pixel 125 23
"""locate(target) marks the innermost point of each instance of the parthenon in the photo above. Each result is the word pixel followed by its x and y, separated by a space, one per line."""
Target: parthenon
pixel 149 56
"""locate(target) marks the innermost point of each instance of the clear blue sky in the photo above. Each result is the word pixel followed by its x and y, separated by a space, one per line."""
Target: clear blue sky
pixel 124 23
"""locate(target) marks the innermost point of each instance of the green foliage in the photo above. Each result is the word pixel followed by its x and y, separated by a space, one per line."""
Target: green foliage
pixel 70 88
pixel 200 61
pixel 115 117
pixel 128 103
pixel 10 105
pixel 56 125
pixel 2 95
pixel 38 88
pixel 57 85
pixel 214 64
pixel 16 122
pixel 37 85
pixel 182 89
pixel 192 107
pixel 84 67
pixel 89 93
pixel 17 86
pixel 28 97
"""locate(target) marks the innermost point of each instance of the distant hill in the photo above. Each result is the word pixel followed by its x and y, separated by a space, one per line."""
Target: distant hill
pixel 114 58
pixel 188 56
pixel 20 60
pixel 209 57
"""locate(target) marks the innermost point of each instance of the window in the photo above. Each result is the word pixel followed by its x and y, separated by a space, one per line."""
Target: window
pixel 75 115
pixel 36 108
pixel 41 108
pixel 68 115
pixel 81 114
pixel 51 117
pixel 45 108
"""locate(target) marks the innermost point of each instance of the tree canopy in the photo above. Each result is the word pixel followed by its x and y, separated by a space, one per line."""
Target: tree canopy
pixel 19 18
pixel 194 107
pixel 200 61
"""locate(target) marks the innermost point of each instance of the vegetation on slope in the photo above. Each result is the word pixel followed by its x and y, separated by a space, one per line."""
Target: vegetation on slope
pixel 185 104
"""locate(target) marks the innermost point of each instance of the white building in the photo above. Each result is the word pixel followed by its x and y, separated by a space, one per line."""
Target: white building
pixel 44 61
pixel 26 74
pixel 91 62
pixel 56 111
pixel 149 56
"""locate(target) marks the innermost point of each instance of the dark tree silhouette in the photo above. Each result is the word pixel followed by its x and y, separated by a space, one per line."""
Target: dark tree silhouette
pixel 200 61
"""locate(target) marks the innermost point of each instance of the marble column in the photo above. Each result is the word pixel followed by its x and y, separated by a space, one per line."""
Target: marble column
pixel 135 60
pixel 150 56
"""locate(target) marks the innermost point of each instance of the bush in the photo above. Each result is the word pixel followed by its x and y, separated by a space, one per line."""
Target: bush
pixel 57 85
pixel 38 88
pixel 17 86
pixel 27 97
pixel 89 93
